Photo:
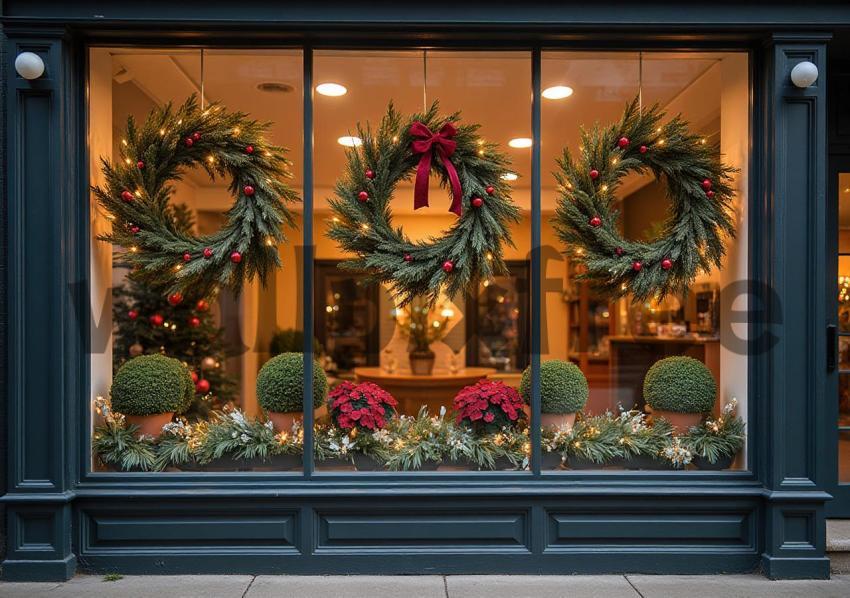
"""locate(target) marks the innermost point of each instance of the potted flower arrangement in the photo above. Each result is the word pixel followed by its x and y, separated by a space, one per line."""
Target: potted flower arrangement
pixel 421 329
pixel 362 409
pixel 488 406
pixel 681 390
pixel 715 442
pixel 563 392
pixel 149 389
pixel 280 389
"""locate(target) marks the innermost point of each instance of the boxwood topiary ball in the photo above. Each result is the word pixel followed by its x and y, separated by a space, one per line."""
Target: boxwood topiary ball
pixel 680 384
pixel 563 387
pixel 280 384
pixel 149 384
pixel 188 390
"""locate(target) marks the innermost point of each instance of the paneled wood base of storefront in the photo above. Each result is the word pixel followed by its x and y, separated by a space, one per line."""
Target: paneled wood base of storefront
pixel 386 534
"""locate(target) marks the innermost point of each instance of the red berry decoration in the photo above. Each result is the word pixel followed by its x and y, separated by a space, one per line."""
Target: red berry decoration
pixel 666 263
pixel 157 320
pixel 132 314
pixel 196 136
pixel 490 190
pixel 709 194
pixel 249 149
pixel 194 375
pixel 208 252
pixel 623 142
pixel 706 184
pixel 596 222
pixel 202 305
pixel 637 266
pixel 370 174
pixel 134 229
pixel 202 386
pixel 194 321
pixel 594 174
pixel 126 195
pixel 140 164
pixel 408 257
pixel 363 196
pixel 175 299
pixel 477 202
pixel 619 251
pixel 235 257
pixel 448 266
pixel 643 149
pixel 187 257
pixel 248 190
pixel 189 142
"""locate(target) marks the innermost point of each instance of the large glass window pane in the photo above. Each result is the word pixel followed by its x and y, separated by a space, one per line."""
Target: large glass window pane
pixel 614 340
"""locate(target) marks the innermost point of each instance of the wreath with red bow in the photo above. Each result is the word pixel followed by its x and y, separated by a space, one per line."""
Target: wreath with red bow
pixel 469 167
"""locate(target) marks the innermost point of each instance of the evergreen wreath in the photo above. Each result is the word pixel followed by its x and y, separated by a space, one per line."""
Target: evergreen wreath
pixel 471 168
pixel 137 191
pixel 698 186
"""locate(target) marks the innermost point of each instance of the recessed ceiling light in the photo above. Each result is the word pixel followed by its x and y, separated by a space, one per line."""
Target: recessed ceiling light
pixel 520 142
pixel 331 89
pixel 275 87
pixel 349 141
pixel 509 176
pixel 557 92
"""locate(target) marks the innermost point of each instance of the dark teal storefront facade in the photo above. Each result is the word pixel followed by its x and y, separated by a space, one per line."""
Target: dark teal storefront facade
pixel 61 518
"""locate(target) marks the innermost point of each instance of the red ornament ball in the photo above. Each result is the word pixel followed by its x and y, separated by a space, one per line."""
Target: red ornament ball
pixel 709 194
pixel 643 149
pixel 189 142
pixel 363 196
pixel 370 174
pixel 666 263
pixel 175 299
pixel 706 184
pixel 619 251
pixel 596 221
pixel 408 257
pixel 594 174
pixel 134 229
pixel 490 190
pixel 202 386
pixel 187 257
pixel 157 320
pixel 208 252
pixel 477 202
pixel 448 266
pixel 248 190
pixel 140 164
pixel 637 266
pixel 235 257
pixel 202 305
pixel 132 314
pixel 194 375
pixel 623 142
pixel 249 149
pixel 194 321
pixel 196 136
pixel 126 195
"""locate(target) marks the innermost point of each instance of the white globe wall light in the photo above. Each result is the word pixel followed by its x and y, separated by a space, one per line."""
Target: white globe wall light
pixel 29 65
pixel 804 74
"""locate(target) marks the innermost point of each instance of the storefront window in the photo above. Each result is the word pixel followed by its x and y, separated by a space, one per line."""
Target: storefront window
pixel 422 260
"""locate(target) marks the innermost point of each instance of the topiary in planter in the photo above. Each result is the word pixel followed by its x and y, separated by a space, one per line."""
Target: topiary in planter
pixel 150 384
pixel 680 389
pixel 280 384
pixel 563 387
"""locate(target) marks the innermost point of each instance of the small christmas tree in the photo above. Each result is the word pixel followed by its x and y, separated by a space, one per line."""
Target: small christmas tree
pixel 147 320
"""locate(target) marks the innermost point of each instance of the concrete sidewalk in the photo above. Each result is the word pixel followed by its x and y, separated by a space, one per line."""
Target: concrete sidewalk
pixel 431 586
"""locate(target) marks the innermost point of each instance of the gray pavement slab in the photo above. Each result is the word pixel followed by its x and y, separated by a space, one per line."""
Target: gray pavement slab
pixel 737 586
pixel 539 586
pixel 361 586
pixel 134 586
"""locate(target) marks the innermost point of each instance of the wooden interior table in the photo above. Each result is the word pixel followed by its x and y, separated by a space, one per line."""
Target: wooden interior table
pixel 412 391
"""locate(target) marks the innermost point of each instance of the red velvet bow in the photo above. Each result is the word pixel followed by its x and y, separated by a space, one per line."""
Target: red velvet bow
pixel 444 146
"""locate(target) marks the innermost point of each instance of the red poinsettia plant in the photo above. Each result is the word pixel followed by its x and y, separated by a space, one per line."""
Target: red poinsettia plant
pixel 489 405
pixel 365 406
